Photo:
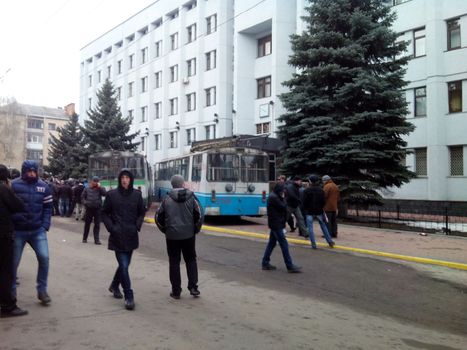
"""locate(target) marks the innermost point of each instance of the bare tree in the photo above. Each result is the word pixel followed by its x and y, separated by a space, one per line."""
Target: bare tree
pixel 13 133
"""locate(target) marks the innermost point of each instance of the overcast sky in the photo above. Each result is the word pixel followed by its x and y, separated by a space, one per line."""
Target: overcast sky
pixel 40 43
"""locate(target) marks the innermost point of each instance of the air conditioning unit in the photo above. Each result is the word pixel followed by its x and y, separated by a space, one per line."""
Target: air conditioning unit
pixel 185 81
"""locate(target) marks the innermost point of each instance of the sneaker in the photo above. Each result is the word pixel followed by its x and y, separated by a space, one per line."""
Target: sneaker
pixel 85 241
pixel 194 291
pixel 13 313
pixel 129 304
pixel 294 269
pixel 116 292
pixel 98 242
pixel 175 295
pixel 44 298
pixel 331 245
pixel 269 267
pixel 313 246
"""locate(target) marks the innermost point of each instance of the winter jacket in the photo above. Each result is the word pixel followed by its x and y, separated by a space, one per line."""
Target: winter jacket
pixel 331 196
pixel 37 200
pixel 313 200
pixel 180 215
pixel 292 194
pixel 64 192
pixel 277 208
pixel 77 192
pixel 9 204
pixel 92 197
pixel 123 215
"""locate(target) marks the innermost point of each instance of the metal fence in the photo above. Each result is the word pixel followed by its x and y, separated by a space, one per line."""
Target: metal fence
pixel 439 220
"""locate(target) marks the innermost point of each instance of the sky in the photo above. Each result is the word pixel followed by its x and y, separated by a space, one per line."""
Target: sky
pixel 40 43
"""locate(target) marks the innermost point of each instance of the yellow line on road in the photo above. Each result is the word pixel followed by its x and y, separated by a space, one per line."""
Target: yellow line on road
pixel 452 265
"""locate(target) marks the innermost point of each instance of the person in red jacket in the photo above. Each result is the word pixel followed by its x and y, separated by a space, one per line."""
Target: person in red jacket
pixel 331 197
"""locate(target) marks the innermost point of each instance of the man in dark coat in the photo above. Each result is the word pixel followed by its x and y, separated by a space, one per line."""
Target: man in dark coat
pixel 64 198
pixel 92 200
pixel 314 204
pixel 123 216
pixel 79 207
pixel 277 215
pixel 294 203
pixel 9 204
pixel 180 217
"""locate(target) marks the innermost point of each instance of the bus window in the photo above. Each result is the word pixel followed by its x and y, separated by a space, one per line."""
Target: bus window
pixel 254 168
pixel 184 168
pixel 222 167
pixel 196 167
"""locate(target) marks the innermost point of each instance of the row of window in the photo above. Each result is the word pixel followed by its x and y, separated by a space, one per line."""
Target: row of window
pixel 454 98
pixel 456 161
pixel 453 31
pixel 39 124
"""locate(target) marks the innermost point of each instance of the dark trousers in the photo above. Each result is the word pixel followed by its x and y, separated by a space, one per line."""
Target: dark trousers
pixel 7 300
pixel 56 210
pixel 332 223
pixel 122 275
pixel 92 214
pixel 174 249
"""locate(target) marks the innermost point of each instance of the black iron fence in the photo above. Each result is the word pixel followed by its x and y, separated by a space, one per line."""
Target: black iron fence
pixel 424 219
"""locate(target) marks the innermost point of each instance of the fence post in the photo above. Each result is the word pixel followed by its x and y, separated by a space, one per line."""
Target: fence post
pixel 398 209
pixel 379 218
pixel 446 221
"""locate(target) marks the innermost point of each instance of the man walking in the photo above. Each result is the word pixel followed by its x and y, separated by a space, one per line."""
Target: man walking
pixel 79 207
pixel 92 200
pixel 331 197
pixel 9 204
pixel 64 198
pixel 293 204
pixel 123 216
pixel 180 217
pixel 277 215
pixel 32 223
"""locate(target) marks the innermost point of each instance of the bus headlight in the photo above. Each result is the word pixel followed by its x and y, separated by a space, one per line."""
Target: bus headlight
pixel 251 188
pixel 229 188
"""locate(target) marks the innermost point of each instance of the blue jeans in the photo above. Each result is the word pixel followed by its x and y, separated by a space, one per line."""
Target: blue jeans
pixel 274 237
pixel 322 224
pixel 37 239
pixel 64 206
pixel 122 276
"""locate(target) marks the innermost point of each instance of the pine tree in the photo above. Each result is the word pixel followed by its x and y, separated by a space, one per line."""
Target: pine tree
pixel 106 129
pixel 68 157
pixel 345 109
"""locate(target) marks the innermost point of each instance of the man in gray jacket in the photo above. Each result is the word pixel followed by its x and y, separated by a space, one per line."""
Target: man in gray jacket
pixel 92 200
pixel 180 217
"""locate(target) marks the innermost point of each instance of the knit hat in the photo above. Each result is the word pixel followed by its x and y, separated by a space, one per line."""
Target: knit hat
pixel 177 181
pixel 4 173
pixel 313 179
pixel 326 178
pixel 95 178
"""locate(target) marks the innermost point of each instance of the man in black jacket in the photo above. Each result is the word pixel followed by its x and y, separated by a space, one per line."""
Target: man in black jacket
pixel 180 217
pixel 92 201
pixel 294 203
pixel 123 216
pixel 277 215
pixel 9 204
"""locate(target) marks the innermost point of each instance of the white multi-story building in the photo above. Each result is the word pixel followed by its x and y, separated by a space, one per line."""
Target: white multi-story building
pixel 195 70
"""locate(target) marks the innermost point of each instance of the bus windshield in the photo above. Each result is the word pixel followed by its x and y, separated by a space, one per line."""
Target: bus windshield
pixel 254 168
pixel 108 168
pixel 222 167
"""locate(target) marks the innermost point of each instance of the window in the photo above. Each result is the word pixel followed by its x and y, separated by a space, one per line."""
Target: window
pixel 174 41
pixel 211 24
pixel 455 96
pixel 35 124
pixel 144 55
pixel 419 42
pixel 144 114
pixel 191 67
pixel 263 128
pixel 173 103
pixel 191 33
pixel 190 136
pixel 34 138
pixel 191 102
pixel 210 131
pixel 254 168
pixel 173 15
pixel 420 161
pixel 90 80
pixel 158 49
pixel 119 67
pixel 130 114
pixel 264 46
pixel 456 157
pixel 210 96
pixel 191 5
pixel 130 89
pixel 174 73
pixel 144 84
pixel 109 71
pixel 143 144
pixel 264 87
pixel 196 167
pixel 131 60
pixel 99 76
pixel 420 101
pixel 158 110
pixel 454 34
pixel 157 79
pixel 222 167
pixel 52 126
pixel 211 60
pixel 157 141
pixel 397 2
pixel 173 135
pixel 33 154
pixel 119 93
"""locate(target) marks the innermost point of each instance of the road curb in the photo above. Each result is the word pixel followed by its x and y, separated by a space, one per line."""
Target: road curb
pixel 452 265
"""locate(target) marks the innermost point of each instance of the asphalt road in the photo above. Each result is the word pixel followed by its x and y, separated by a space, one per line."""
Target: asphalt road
pixel 339 301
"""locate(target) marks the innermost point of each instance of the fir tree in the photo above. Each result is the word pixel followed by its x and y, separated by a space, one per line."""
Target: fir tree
pixel 106 129
pixel 345 109
pixel 67 157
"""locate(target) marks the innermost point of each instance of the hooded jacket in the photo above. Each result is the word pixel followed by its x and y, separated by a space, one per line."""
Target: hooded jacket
pixel 277 208
pixel 123 215
pixel 37 200
pixel 314 200
pixel 180 215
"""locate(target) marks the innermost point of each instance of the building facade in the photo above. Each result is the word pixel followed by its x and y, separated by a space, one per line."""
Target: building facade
pixel 196 70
